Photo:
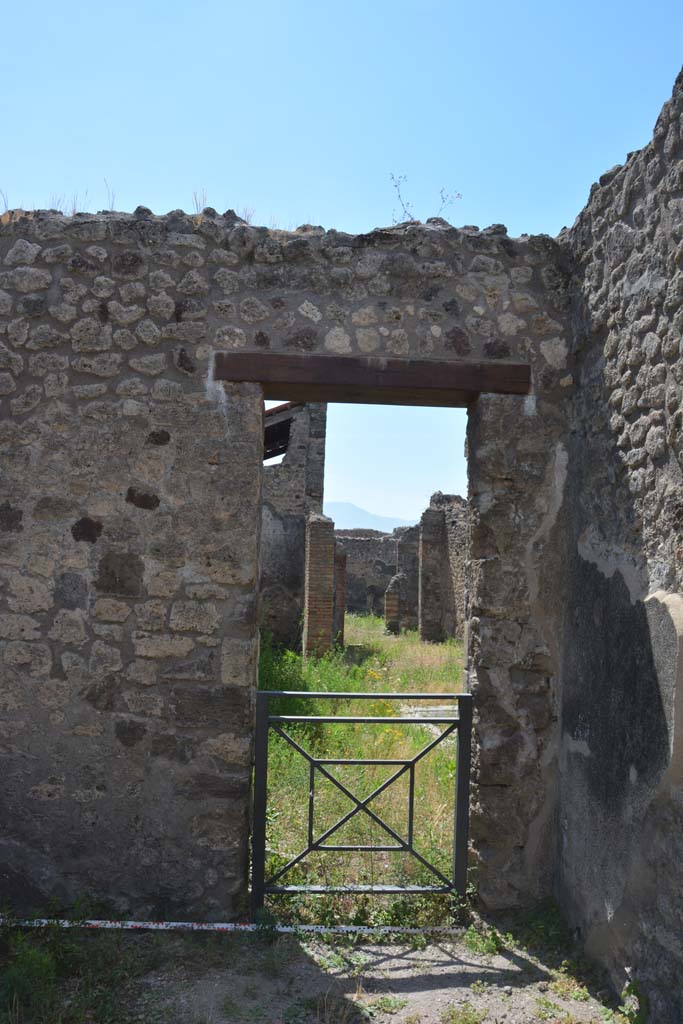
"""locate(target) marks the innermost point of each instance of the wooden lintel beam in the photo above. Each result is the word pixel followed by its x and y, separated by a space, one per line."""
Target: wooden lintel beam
pixel 371 379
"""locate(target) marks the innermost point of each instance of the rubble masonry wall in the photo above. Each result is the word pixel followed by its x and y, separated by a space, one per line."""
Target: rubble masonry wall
pixel 371 562
pixel 130 518
pixel 620 841
pixel 291 489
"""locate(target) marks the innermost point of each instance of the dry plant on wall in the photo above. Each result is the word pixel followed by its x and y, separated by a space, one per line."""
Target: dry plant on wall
pixel 111 196
pixel 199 203
pixel 446 199
pixel 69 206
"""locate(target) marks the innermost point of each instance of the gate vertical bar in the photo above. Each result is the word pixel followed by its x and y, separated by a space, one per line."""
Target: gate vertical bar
pixel 462 793
pixel 311 801
pixel 258 838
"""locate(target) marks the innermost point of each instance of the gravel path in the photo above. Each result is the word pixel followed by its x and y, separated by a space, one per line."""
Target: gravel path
pixel 292 982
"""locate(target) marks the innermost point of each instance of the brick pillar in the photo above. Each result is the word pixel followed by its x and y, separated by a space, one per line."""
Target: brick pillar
pixel 392 605
pixel 339 595
pixel 318 585
pixel 433 553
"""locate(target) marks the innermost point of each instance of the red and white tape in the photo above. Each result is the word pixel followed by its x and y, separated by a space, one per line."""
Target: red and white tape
pixel 215 926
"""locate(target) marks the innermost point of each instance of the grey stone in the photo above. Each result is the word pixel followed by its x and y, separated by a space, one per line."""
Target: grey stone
pixel 120 573
pixel 22 251
pixel 71 590
pixel 29 279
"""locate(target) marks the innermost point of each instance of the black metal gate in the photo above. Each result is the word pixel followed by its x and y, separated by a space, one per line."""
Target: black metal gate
pixel 458 721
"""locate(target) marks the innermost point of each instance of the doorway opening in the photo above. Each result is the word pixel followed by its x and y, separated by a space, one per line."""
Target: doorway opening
pixel 332 781
pixel 355 818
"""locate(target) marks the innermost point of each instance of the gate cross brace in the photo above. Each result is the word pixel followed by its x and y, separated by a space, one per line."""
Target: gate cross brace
pixel 362 805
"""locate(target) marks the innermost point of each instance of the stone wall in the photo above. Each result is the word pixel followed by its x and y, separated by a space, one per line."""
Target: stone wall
pixel 370 564
pixel 442 555
pixel 516 472
pixel 457 539
pixel 128 565
pixel 408 564
pixel 429 557
pixel 131 511
pixel 339 612
pixel 621 798
pixel 291 489
pixel 130 519
pixel 435 584
pixel 402 596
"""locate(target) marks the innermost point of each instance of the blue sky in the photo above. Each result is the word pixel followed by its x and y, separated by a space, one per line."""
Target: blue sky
pixel 300 111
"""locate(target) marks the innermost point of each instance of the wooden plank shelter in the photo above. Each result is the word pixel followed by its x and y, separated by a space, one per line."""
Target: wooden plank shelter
pixel 372 379
pixel 277 428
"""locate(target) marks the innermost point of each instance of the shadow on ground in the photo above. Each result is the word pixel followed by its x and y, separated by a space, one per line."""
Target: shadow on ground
pixel 239 979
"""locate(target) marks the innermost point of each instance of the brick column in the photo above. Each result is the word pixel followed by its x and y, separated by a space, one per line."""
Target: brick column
pixel 318 585
pixel 339 595
pixel 392 605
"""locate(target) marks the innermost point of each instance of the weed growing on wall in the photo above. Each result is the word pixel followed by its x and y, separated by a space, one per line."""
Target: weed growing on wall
pixel 406 211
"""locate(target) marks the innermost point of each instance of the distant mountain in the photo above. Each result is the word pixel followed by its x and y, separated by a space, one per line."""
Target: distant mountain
pixel 349 517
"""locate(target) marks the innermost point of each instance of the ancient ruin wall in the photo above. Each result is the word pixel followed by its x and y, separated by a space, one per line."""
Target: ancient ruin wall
pixel 370 564
pixel 457 535
pixel 408 564
pixel 517 463
pixel 291 489
pixel 621 805
pixel 130 517
pixel 443 547
pixel 435 585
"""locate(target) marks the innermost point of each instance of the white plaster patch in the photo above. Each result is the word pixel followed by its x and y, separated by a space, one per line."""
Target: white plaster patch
pixel 215 390
pixel 485 500
pixel 608 559
pixel 665 620
pixel 529 407
pixel 576 746
pixel 556 479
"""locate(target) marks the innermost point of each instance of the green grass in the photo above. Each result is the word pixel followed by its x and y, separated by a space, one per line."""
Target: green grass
pixel 486 941
pixel 53 976
pixel 387 1004
pixel 377 663
pixel 404 662
pixel 464 1014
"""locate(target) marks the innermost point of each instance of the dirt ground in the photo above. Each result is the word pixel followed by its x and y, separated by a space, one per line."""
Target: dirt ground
pixel 288 980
